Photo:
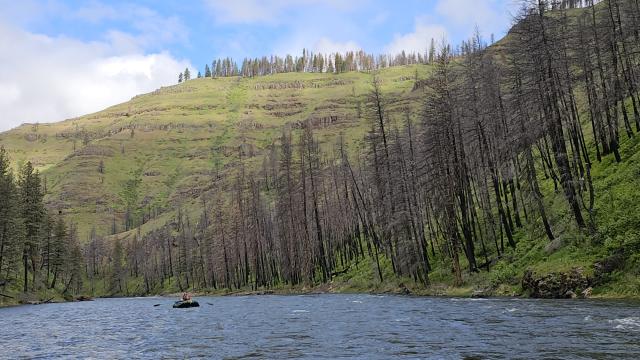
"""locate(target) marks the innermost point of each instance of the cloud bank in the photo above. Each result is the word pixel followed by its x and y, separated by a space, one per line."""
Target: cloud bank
pixel 270 11
pixel 114 50
pixel 46 78
pixel 417 41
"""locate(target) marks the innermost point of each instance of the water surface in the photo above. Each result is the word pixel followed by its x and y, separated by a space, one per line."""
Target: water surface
pixel 324 326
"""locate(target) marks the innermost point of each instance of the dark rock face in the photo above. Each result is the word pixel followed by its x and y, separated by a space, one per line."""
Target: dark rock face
pixel 560 285
pixel 604 267
pixel 481 293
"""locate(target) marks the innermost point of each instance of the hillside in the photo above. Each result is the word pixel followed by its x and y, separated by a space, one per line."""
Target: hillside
pixel 176 138
pixel 509 169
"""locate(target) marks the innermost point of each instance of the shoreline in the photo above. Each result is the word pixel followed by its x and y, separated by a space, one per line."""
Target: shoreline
pixel 301 292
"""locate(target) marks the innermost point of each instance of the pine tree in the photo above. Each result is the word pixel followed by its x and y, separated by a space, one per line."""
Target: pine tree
pixel 57 252
pixel 33 214
pixel 73 261
pixel 116 276
pixel 47 240
pixel 207 71
pixel 187 74
pixel 432 52
pixel 11 236
pixel 218 69
pixel 179 78
pixel 338 64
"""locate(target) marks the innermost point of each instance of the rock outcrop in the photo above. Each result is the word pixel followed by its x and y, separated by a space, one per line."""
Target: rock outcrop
pixel 603 268
pixel 557 285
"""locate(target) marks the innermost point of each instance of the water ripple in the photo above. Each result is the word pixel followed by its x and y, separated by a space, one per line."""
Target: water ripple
pixel 338 326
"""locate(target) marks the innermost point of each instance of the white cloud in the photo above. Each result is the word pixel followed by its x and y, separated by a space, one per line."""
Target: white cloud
pixel 454 18
pixel 489 15
pixel 328 46
pixel 418 40
pixel 96 12
pixel 27 11
pixel 379 19
pixel 270 11
pixel 466 11
pixel 45 79
pixel 9 93
pixel 151 28
pixel 247 11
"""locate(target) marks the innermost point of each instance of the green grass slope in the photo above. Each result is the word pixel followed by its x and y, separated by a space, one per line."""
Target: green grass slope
pixel 171 141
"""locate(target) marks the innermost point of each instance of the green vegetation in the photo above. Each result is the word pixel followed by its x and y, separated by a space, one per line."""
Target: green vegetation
pixel 617 215
pixel 39 255
pixel 176 136
pixel 309 181
pixel 133 165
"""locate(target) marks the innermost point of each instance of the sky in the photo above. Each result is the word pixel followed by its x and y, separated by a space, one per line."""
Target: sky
pixel 65 58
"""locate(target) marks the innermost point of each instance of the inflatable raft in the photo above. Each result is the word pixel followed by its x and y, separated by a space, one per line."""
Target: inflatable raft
pixel 185 304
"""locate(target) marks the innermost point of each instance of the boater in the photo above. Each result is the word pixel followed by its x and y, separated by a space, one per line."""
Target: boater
pixel 186 296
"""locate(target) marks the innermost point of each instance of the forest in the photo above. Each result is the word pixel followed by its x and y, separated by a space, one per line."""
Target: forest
pixel 312 63
pixel 452 185
pixel 35 245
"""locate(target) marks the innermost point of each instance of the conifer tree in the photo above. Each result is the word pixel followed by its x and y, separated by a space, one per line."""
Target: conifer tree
pixel 115 280
pixel 432 52
pixel 218 68
pixel 57 252
pixel 33 214
pixel 73 261
pixel 10 220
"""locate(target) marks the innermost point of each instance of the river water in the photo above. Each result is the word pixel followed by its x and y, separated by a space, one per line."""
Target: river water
pixel 324 326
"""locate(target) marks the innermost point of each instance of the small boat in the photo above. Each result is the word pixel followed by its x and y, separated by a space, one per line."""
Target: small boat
pixel 185 304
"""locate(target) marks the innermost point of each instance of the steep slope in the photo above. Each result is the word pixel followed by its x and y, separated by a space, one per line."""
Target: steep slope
pixel 159 151
pixel 496 181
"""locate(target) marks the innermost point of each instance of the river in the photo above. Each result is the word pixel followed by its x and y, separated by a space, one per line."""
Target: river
pixel 324 326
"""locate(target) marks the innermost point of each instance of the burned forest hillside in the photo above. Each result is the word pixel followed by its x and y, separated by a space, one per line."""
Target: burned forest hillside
pixel 510 168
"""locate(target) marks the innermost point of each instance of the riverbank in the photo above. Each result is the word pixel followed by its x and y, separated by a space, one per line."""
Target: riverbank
pixel 40 298
pixel 574 282
pixel 392 288
pixel 572 267
pixel 388 288
pixel 439 290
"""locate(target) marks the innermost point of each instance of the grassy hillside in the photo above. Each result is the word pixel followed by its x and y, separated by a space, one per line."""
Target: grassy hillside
pixel 175 139
pixel 160 153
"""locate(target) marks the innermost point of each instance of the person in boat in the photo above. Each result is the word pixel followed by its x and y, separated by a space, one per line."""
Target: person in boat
pixel 185 301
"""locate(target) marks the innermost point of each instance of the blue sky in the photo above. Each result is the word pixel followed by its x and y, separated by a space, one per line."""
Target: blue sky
pixel 65 58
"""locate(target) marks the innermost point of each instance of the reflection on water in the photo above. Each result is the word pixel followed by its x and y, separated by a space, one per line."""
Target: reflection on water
pixel 324 326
